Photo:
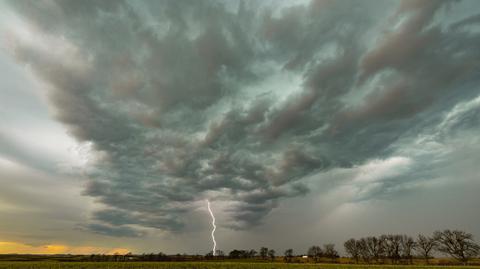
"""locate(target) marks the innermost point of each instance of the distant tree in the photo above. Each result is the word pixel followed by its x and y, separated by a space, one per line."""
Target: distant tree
pixel 271 254
pixel 252 253
pixel 375 247
pixel 128 256
pixel 235 254
pixel 330 252
pixel 263 252
pixel 239 254
pixel 352 247
pixel 315 252
pixel 425 246
pixel 219 253
pixel 160 256
pixel 181 257
pixel 457 244
pixel 209 255
pixel 288 255
pixel 408 245
pixel 363 249
pixel 393 244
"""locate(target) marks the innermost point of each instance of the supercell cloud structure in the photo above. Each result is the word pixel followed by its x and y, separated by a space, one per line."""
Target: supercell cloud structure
pixel 241 102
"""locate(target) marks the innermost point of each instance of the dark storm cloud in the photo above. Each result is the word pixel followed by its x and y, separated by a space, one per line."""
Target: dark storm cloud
pixel 169 93
pixel 470 21
pixel 120 231
pixel 428 158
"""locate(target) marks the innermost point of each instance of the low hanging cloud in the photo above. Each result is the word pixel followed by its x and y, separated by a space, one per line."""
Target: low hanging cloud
pixel 177 101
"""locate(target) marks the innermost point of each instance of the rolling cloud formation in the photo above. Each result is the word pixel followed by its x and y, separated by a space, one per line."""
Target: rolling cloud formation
pixel 239 102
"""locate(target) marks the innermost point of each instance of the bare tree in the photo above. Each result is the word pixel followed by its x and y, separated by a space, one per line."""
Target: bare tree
pixel 375 247
pixel 352 247
pixel 263 252
pixel 425 246
pixel 315 252
pixel 363 248
pixel 271 254
pixel 392 243
pixel 408 245
pixel 330 251
pixel 219 253
pixel 457 244
pixel 288 255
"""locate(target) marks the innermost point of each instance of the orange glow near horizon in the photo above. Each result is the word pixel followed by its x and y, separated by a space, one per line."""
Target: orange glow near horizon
pixel 121 251
pixel 7 247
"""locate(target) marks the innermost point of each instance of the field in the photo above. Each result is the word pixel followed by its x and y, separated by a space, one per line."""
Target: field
pixel 204 265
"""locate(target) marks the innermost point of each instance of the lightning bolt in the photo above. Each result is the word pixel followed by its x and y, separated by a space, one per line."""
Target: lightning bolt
pixel 214 228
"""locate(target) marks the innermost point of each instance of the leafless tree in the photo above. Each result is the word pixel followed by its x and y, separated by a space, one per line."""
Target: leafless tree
pixel 352 247
pixel 393 244
pixel 315 252
pixel 375 247
pixel 271 254
pixel 330 252
pixel 425 246
pixel 288 255
pixel 263 252
pixel 220 253
pixel 408 245
pixel 457 244
pixel 364 251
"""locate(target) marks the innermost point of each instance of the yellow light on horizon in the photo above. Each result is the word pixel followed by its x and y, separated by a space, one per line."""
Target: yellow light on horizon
pixel 9 247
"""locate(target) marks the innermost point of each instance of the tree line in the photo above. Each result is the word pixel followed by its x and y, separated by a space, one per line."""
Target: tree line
pixel 402 248
pixel 389 248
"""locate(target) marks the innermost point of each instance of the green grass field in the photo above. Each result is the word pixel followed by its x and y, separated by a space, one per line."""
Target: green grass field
pixel 203 265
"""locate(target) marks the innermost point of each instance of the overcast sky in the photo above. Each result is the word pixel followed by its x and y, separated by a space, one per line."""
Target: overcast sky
pixel 303 122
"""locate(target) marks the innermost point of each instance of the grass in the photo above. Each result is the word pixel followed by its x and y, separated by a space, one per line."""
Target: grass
pixel 204 265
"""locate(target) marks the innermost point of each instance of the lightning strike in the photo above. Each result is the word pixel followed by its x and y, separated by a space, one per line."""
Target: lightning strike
pixel 213 230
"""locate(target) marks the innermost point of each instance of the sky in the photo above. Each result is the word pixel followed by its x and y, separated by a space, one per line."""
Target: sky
pixel 302 122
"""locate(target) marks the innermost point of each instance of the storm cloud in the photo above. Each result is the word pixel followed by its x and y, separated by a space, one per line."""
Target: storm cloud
pixel 240 102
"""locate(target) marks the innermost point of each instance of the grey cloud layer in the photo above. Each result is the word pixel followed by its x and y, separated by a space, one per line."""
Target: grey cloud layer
pixel 170 94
